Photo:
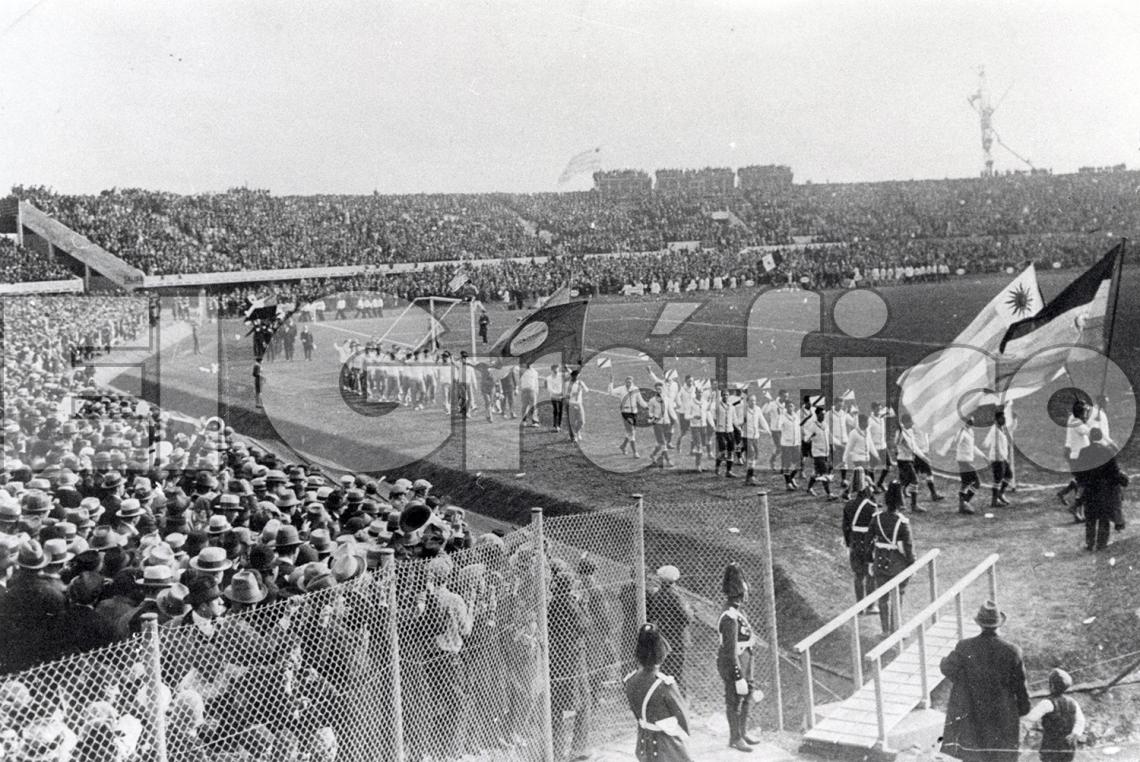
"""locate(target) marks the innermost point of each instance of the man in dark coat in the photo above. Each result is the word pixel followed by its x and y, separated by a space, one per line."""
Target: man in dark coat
pixel 988 696
pixel 673 617
pixel 1101 482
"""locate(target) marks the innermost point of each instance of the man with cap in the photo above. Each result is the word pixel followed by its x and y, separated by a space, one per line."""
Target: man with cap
pixel 673 616
pixel 30 608
pixel 80 628
pixel 858 519
pixel 287 544
pixel 1062 721
pixel 988 695
pixel 1102 483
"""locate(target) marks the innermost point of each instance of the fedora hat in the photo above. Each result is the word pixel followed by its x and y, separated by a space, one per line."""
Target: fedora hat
pixel 219 524
pixel 321 541
pixel 94 508
pixel 316 576
pixel 287 500
pixel 104 538
pixel 112 479
pixel 36 501
pixel 172 600
pixel 56 552
pixel 990 616
pixel 130 509
pixel 246 587
pixel 287 537
pixel 202 590
pixel 345 564
pixel 31 556
pixel 211 560
pixel 158 575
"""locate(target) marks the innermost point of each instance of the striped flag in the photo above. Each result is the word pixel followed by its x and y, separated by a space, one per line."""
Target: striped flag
pixel 605 362
pixel 587 161
pixel 933 391
pixel 848 396
pixel 1035 350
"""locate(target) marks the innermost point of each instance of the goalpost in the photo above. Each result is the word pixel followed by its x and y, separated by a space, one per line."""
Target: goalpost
pixel 410 329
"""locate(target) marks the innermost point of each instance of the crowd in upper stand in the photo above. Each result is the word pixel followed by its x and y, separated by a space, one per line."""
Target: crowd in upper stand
pixel 1003 219
pixel 19 264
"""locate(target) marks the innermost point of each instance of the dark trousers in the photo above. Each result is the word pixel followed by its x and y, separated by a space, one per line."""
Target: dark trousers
pixel 1096 533
pixel 556 404
pixel 570 694
pixel 674 665
pixel 736 710
pixel 443 673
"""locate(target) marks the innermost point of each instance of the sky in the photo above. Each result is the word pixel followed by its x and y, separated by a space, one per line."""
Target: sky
pixel 409 96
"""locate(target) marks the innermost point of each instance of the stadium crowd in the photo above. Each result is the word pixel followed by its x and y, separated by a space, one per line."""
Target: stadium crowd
pixel 969 222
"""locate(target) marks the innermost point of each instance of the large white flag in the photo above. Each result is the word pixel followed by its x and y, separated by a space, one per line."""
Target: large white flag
pixel 587 161
pixel 937 391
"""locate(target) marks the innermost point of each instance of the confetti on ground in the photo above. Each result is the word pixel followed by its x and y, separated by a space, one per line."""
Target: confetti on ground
pixel 1090 620
pixel 989 515
pixel 1112 562
pixel 1049 554
pixel 733 530
pixel 1108 751
pixel 520 474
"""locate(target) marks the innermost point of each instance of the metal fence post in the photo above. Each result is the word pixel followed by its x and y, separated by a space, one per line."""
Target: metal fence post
pixel 542 575
pixel 154 679
pixel 388 569
pixel 993 582
pixel 639 560
pixel 769 583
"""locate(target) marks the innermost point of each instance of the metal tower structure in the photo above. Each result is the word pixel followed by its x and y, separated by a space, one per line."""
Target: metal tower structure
pixel 980 102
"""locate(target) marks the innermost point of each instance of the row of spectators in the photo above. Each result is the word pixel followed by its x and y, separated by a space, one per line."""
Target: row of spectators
pixel 242 229
pixel 821 266
pixel 19 264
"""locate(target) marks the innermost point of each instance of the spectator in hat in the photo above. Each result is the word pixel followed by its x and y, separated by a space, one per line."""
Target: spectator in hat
pixel 31 606
pixel 988 695
pixel 1061 720
pixel 287 544
pixel 245 591
pixel 80 628
pixel 603 623
pixel 673 616
pixel 656 702
pixel 211 562
pixel 569 689
pixel 120 597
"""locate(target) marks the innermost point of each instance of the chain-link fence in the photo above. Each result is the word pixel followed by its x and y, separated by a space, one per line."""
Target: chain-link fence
pixel 434 659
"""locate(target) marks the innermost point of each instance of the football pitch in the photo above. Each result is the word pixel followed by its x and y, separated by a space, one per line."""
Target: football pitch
pixel 1059 598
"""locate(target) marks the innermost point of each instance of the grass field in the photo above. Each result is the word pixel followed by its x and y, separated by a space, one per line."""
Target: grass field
pixel 1066 607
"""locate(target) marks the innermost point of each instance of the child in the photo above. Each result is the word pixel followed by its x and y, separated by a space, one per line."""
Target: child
pixel 1061 718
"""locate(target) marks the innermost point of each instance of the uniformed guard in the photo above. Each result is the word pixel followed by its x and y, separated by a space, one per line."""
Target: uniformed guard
pixel 858 515
pixel 734 659
pixel 656 702
pixel 894 550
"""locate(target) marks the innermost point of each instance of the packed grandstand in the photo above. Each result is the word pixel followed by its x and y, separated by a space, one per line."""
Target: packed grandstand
pixel 120 500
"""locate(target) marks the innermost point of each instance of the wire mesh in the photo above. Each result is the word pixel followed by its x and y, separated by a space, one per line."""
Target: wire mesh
pixel 316 676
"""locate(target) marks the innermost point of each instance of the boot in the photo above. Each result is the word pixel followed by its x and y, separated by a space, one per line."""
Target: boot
pixel 750 478
pixel 623 445
pixel 934 496
pixel 811 486
pixel 994 501
pixel 728 469
pixel 914 506
pixel 964 504
pixel 788 482
pixel 700 468
pixel 633 449
pixel 1001 494
pixel 827 489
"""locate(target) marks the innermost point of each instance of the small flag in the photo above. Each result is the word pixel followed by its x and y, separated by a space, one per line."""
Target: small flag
pixel 643 357
pixel 771 261
pixel 605 362
pixel 763 384
pixel 454 284
pixel 561 296
pixel 587 161
pixel 816 400
pixel 848 396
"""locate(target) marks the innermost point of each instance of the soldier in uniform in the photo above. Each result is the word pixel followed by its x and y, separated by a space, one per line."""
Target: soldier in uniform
pixel 655 701
pixel 673 617
pixel 734 658
pixel 858 516
pixel 894 550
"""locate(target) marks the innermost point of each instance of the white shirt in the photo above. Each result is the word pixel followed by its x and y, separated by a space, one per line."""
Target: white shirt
pixel 836 421
pixel 1076 436
pixel 528 381
pixel 964 447
pixel 816 431
pixel 554 384
pixel 755 423
pixel 791 434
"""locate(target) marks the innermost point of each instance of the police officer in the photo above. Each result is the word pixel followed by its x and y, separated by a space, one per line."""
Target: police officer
pixel 894 550
pixel 858 517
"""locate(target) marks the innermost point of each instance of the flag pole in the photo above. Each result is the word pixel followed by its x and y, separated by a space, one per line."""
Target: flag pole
pixel 1116 273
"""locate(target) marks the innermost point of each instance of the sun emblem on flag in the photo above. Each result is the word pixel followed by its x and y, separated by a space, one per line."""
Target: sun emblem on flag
pixel 1018 300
